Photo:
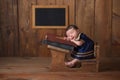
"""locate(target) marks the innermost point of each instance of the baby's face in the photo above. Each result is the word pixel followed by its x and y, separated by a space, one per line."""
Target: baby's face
pixel 72 33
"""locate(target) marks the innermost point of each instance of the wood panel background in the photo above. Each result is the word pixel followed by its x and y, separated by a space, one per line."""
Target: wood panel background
pixel 116 28
pixel 9 37
pixel 17 38
pixel 99 19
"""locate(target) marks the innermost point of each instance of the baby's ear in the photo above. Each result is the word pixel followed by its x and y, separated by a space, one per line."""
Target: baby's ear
pixel 78 30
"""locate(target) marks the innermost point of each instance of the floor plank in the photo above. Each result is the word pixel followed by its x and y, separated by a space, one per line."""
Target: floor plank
pixel 62 76
pixel 37 68
pixel 24 64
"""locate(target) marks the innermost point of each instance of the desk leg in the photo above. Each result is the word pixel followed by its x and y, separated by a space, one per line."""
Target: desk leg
pixel 58 58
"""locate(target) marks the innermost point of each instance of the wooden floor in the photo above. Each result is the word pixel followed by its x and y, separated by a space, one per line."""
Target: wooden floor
pixel 37 68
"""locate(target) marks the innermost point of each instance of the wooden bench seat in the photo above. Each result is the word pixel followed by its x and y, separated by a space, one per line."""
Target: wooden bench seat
pixel 58 60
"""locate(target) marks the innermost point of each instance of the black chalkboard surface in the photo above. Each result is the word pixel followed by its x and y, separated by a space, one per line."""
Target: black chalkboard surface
pixel 50 16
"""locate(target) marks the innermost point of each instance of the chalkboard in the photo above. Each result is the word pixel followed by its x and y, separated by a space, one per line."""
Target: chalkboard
pixel 49 16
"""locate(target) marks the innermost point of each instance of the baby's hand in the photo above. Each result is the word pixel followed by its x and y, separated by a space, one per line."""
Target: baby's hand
pixel 66 38
pixel 72 40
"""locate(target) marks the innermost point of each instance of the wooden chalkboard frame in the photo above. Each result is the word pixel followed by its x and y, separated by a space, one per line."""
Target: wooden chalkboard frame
pixel 49 7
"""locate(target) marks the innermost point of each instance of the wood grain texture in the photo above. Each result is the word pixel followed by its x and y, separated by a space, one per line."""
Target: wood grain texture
pixel 34 68
pixel 85 16
pixel 94 17
pixel 27 36
pixel 103 26
pixel 8 28
pixel 116 28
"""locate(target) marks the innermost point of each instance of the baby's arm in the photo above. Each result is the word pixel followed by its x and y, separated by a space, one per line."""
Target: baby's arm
pixel 79 43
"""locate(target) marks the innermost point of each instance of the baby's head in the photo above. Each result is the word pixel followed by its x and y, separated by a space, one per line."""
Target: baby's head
pixel 72 31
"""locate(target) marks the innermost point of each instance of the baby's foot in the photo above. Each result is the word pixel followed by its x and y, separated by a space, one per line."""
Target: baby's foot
pixel 72 63
pixel 69 64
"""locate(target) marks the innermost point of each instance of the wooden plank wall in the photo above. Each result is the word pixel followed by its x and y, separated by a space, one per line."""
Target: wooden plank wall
pixel 99 19
pixel 116 28
pixel 103 12
pixel 9 37
pixel 85 16
pixel 17 38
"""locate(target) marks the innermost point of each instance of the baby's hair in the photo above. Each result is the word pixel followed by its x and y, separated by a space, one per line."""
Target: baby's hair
pixel 71 26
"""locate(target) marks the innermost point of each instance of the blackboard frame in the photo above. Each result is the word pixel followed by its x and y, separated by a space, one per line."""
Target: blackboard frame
pixel 54 7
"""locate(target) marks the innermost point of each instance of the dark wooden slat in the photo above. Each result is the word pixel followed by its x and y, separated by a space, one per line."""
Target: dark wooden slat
pixel 103 28
pixel 85 16
pixel 27 36
pixel 9 27
pixel 116 28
